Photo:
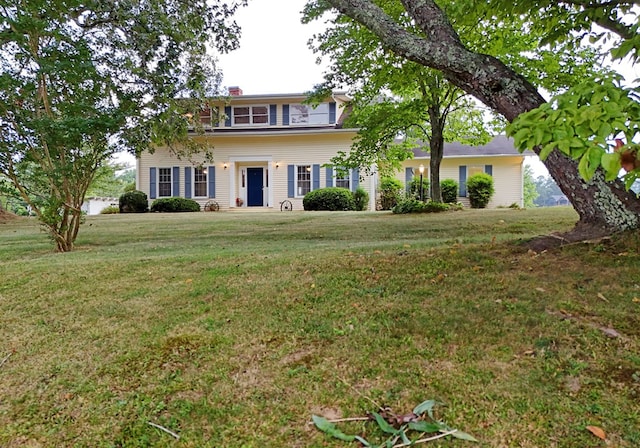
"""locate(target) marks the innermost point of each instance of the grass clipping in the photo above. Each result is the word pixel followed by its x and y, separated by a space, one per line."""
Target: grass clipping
pixel 398 429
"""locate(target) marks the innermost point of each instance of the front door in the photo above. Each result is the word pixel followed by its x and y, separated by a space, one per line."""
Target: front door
pixel 255 185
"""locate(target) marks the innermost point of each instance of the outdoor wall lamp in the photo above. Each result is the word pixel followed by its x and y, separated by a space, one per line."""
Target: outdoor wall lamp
pixel 225 165
pixel 277 165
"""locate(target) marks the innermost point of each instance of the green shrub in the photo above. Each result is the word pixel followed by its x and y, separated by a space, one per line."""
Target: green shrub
pixel 174 205
pixel 133 202
pixel 110 210
pixel 361 199
pixel 330 198
pixel 449 188
pixel 480 190
pixel 414 188
pixel 413 205
pixel 390 192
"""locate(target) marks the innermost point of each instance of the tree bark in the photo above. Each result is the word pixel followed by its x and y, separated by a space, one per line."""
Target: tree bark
pixel 603 207
pixel 436 148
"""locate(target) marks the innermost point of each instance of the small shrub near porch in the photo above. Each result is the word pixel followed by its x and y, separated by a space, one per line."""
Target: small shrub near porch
pixel 330 199
pixel 480 190
pixel 174 205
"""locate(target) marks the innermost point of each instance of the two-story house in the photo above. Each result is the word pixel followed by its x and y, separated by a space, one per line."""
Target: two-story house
pixel 273 148
pixel 267 149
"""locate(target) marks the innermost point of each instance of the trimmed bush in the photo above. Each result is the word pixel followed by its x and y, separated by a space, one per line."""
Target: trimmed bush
pixel 480 190
pixel 390 192
pixel 413 205
pixel 330 198
pixel 361 199
pixel 414 188
pixel 110 210
pixel 133 202
pixel 449 188
pixel 174 205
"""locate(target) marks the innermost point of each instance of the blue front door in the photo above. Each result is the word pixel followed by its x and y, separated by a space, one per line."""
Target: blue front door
pixel 255 185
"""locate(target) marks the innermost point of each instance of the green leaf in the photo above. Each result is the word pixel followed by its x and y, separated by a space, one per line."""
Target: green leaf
pixel 464 436
pixel 363 442
pixel 383 424
pixel 329 428
pixel 426 426
pixel 425 406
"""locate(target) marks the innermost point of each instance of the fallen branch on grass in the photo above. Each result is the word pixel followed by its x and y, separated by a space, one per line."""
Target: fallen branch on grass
pixel 162 428
pixel 5 359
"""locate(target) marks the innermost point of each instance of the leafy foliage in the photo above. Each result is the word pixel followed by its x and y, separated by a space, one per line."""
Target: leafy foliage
pixel 480 190
pixel 175 205
pixel 390 192
pixel 581 122
pixel 413 205
pixel 449 189
pixel 414 188
pixel 361 199
pixel 330 198
pixel 409 429
pixel 133 202
pixel 110 210
pixel 80 81
pixel 529 191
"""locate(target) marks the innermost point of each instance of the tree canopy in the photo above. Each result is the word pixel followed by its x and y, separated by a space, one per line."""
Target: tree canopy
pixel 82 80
pixel 432 40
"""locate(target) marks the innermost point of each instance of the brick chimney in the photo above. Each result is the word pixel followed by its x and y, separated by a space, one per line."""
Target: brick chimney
pixel 235 91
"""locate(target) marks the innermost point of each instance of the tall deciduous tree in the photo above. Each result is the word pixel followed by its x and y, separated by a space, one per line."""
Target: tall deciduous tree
pixel 422 105
pixel 80 80
pixel 603 207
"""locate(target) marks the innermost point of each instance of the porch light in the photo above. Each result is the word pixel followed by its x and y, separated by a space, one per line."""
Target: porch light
pixel 225 165
pixel 421 169
pixel 277 165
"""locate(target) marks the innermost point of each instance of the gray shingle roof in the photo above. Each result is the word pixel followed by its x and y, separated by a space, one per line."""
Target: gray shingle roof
pixel 500 145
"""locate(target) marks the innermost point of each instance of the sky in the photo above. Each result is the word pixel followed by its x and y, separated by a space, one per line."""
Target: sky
pixel 273 56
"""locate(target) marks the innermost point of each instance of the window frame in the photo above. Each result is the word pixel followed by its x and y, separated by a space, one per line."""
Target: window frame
pixel 251 115
pixel 311 111
pixel 194 182
pixel 161 183
pixel 296 187
pixel 343 178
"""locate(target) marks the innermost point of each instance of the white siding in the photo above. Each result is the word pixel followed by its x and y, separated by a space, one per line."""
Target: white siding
pixel 240 151
pixel 507 175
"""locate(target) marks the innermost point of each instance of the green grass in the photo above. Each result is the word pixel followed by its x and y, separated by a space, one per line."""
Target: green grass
pixel 232 329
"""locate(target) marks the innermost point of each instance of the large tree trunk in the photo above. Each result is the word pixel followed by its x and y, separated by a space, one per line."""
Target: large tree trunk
pixel 436 148
pixel 603 207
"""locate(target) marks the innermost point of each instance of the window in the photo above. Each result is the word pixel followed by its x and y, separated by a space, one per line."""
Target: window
pixel 303 180
pixel 251 115
pixel 164 182
pixel 199 182
pixel 342 178
pixel 306 114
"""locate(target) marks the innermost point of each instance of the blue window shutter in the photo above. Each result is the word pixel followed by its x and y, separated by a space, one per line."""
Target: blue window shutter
pixel 211 173
pixel 227 113
pixel 332 113
pixel 285 115
pixel 273 114
pixel 329 176
pixel 316 177
pixel 176 181
pixel 187 182
pixel 488 169
pixel 152 183
pixel 462 180
pixel 408 177
pixel 355 179
pixel 291 179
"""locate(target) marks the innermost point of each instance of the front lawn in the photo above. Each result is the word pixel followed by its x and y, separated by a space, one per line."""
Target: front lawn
pixel 233 329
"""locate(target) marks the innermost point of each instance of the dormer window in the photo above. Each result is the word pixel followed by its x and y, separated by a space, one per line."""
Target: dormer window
pixel 304 114
pixel 250 115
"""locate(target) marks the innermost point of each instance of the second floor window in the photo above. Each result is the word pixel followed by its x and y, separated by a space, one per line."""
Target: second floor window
pixel 306 114
pixel 251 115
